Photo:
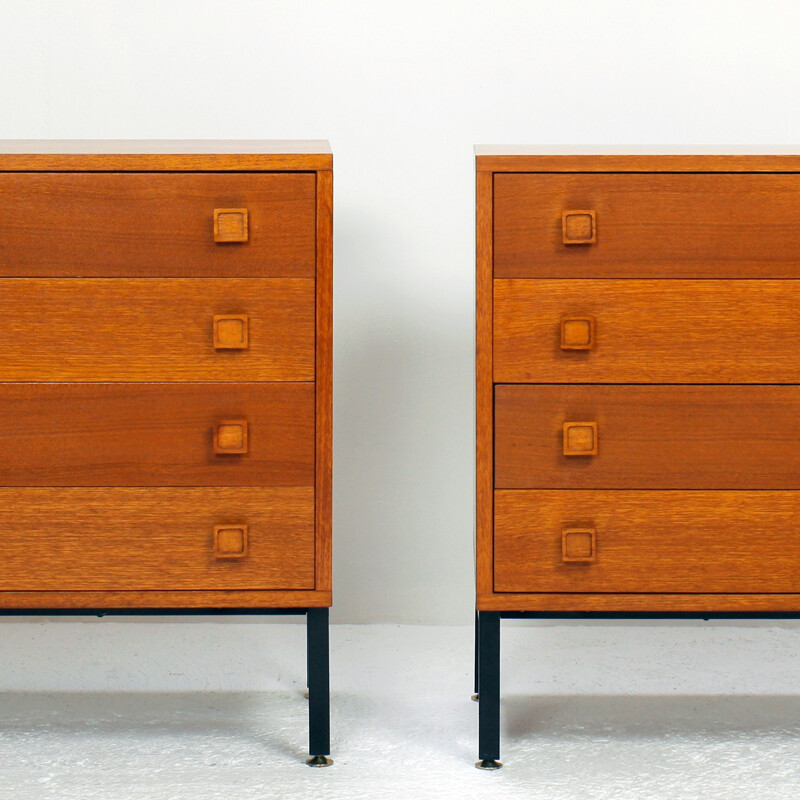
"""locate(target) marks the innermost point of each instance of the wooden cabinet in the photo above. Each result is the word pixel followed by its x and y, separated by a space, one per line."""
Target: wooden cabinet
pixel 165 385
pixel 638 388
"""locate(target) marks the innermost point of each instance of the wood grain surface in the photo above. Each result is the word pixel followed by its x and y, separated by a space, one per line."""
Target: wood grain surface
pixel 649 226
pixel 324 382
pixel 649 331
pixel 167 155
pixel 103 601
pixel 628 158
pixel 689 498
pixel 484 395
pixel 641 603
pixel 669 541
pixel 120 329
pixel 113 380
pixel 94 224
pixel 151 434
pixel 649 437
pixel 153 539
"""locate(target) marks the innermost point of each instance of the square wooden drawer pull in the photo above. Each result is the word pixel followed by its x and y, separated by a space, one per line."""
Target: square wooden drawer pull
pixel 577 333
pixel 578 545
pixel 230 224
pixel 578 227
pixel 230 541
pixel 580 438
pixel 230 436
pixel 230 331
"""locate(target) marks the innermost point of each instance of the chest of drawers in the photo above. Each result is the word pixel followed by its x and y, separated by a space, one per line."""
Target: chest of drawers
pixel 165 382
pixel 638 390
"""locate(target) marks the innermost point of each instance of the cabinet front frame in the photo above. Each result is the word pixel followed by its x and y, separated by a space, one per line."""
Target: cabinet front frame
pixel 116 159
pixel 489 161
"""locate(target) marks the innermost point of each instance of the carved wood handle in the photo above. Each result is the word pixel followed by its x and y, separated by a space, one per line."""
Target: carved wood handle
pixel 577 333
pixel 580 438
pixel 578 227
pixel 230 436
pixel 231 331
pixel 230 225
pixel 230 540
pixel 578 545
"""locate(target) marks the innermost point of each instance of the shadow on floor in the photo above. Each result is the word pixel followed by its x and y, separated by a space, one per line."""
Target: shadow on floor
pixel 638 717
pixel 276 721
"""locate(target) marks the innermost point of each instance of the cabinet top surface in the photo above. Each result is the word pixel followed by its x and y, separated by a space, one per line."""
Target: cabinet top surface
pixel 164 155
pixel 637 158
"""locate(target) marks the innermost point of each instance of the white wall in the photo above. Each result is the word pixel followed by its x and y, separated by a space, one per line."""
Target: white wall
pixel 403 90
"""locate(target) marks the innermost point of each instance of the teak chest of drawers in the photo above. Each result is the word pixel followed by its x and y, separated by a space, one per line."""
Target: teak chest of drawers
pixel 165 382
pixel 638 391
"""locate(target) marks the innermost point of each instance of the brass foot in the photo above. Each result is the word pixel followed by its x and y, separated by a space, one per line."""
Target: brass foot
pixel 319 761
pixel 476 697
pixel 488 763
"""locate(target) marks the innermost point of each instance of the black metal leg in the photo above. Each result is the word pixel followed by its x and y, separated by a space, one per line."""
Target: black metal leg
pixel 477 660
pixel 319 718
pixel 308 660
pixel 488 690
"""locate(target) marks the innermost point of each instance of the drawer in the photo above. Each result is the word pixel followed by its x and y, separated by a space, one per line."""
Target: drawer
pixel 129 539
pixel 647 437
pixel 109 329
pixel 621 331
pixel 646 225
pixel 151 434
pixel 647 541
pixel 157 224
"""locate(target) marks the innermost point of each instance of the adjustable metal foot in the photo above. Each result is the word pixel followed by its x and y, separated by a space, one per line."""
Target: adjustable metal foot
pixel 488 763
pixel 475 697
pixel 319 761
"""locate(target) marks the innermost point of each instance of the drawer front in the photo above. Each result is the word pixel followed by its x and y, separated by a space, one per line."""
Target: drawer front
pixel 151 434
pixel 108 329
pixel 129 539
pixel 646 541
pixel 647 437
pixel 576 331
pixel 157 224
pixel 646 225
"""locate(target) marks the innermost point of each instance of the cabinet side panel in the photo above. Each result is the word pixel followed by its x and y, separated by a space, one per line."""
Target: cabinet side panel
pixel 484 393
pixel 324 376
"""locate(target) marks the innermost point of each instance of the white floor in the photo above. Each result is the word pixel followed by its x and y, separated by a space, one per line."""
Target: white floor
pixel 617 711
